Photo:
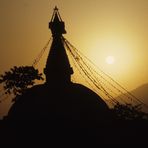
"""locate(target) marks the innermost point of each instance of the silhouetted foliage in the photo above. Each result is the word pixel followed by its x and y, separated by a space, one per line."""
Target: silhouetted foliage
pixel 129 112
pixel 18 79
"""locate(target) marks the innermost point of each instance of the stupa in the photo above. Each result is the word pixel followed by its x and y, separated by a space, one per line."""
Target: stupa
pixel 58 99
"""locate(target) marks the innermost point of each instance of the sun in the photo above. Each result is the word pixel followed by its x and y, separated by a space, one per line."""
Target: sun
pixel 110 60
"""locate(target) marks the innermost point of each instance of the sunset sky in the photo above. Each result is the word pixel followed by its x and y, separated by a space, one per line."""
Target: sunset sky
pixel 101 29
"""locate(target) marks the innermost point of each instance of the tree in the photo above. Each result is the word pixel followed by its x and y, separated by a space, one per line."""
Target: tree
pixel 18 79
pixel 129 112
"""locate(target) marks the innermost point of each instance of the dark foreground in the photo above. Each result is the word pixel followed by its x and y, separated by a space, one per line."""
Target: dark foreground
pixel 48 133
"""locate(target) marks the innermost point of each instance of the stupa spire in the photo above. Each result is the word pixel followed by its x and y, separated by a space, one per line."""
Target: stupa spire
pixel 58 70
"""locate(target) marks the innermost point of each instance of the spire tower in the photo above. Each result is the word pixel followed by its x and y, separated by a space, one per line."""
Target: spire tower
pixel 58 70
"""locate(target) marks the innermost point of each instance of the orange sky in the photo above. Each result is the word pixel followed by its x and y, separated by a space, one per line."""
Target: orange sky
pixel 98 28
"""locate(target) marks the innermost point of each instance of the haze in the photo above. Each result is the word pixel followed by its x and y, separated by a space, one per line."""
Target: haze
pixel 98 28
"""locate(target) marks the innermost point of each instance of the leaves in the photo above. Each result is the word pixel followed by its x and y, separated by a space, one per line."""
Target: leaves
pixel 18 79
pixel 129 112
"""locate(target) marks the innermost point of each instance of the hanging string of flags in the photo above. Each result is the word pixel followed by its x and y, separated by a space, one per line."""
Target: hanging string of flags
pixel 106 87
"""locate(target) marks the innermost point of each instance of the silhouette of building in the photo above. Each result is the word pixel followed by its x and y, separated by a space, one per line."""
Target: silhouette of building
pixel 59 99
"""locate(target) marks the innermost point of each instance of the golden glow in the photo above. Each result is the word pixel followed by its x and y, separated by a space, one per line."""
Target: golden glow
pixel 110 60
pixel 98 28
pixel 113 50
